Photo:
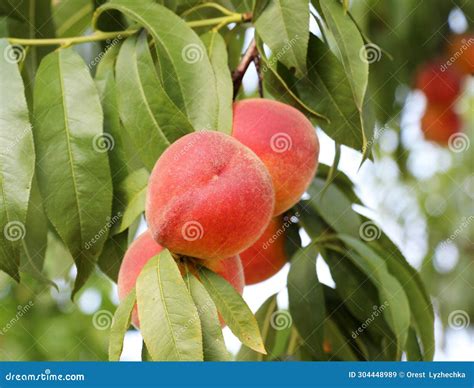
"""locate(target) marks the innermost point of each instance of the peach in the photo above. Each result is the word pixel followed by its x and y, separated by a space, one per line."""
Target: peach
pixel 441 84
pixel 208 197
pixel 286 142
pixel 461 51
pixel 439 123
pixel 145 247
pixel 267 256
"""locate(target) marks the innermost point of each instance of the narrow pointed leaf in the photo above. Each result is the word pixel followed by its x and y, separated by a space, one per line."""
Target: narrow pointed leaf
pixel 17 158
pixel 72 17
pixel 306 298
pixel 169 320
pixel 217 51
pixel 120 325
pixel 235 312
pixel 112 254
pixel 284 27
pixel 212 339
pixel 68 124
pixel 151 119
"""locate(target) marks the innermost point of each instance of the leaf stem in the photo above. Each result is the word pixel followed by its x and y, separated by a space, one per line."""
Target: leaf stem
pixel 101 35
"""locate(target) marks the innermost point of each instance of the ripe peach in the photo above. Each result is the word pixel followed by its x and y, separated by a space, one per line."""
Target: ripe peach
pixel 208 196
pixel 439 123
pixel 286 142
pixel 145 247
pixel 461 51
pixel 440 84
pixel 267 256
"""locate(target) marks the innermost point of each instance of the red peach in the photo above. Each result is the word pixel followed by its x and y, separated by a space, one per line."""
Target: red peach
pixel 144 248
pixel 439 123
pixel 286 142
pixel 441 84
pixel 199 191
pixel 461 51
pixel 267 256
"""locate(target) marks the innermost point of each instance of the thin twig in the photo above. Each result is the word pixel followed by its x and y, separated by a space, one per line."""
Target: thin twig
pixel 258 66
pixel 241 69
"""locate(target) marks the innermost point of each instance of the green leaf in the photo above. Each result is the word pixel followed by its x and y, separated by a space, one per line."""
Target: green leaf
pixel 68 124
pixel 185 70
pixel 420 305
pixel 217 51
pixel 212 338
pixel 114 135
pixel 327 89
pixel 334 207
pixel 112 254
pixel 17 162
pixel 306 298
pixel 413 350
pixel 72 17
pixel 151 119
pixel 129 199
pixel 169 319
pixel 350 44
pixel 233 309
pixel 340 349
pixel 266 317
pixel 284 27
pixel 120 325
pixel 391 292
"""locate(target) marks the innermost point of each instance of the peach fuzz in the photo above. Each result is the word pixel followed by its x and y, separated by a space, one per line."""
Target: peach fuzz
pixel 208 197
pixel 267 256
pixel 285 140
pixel 144 248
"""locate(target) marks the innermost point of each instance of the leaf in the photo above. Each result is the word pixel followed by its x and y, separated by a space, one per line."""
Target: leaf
pixel 213 341
pixel 217 51
pixel 17 163
pixel 169 319
pixel 391 292
pixel 112 254
pixel 413 352
pixel 120 325
pixel 181 57
pixel 340 348
pixel 265 317
pixel 114 135
pixel 350 44
pixel 72 17
pixel 306 299
pixel 129 199
pixel 327 89
pixel 68 123
pixel 284 27
pixel 420 305
pixel 151 119
pixel 334 208
pixel 233 309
